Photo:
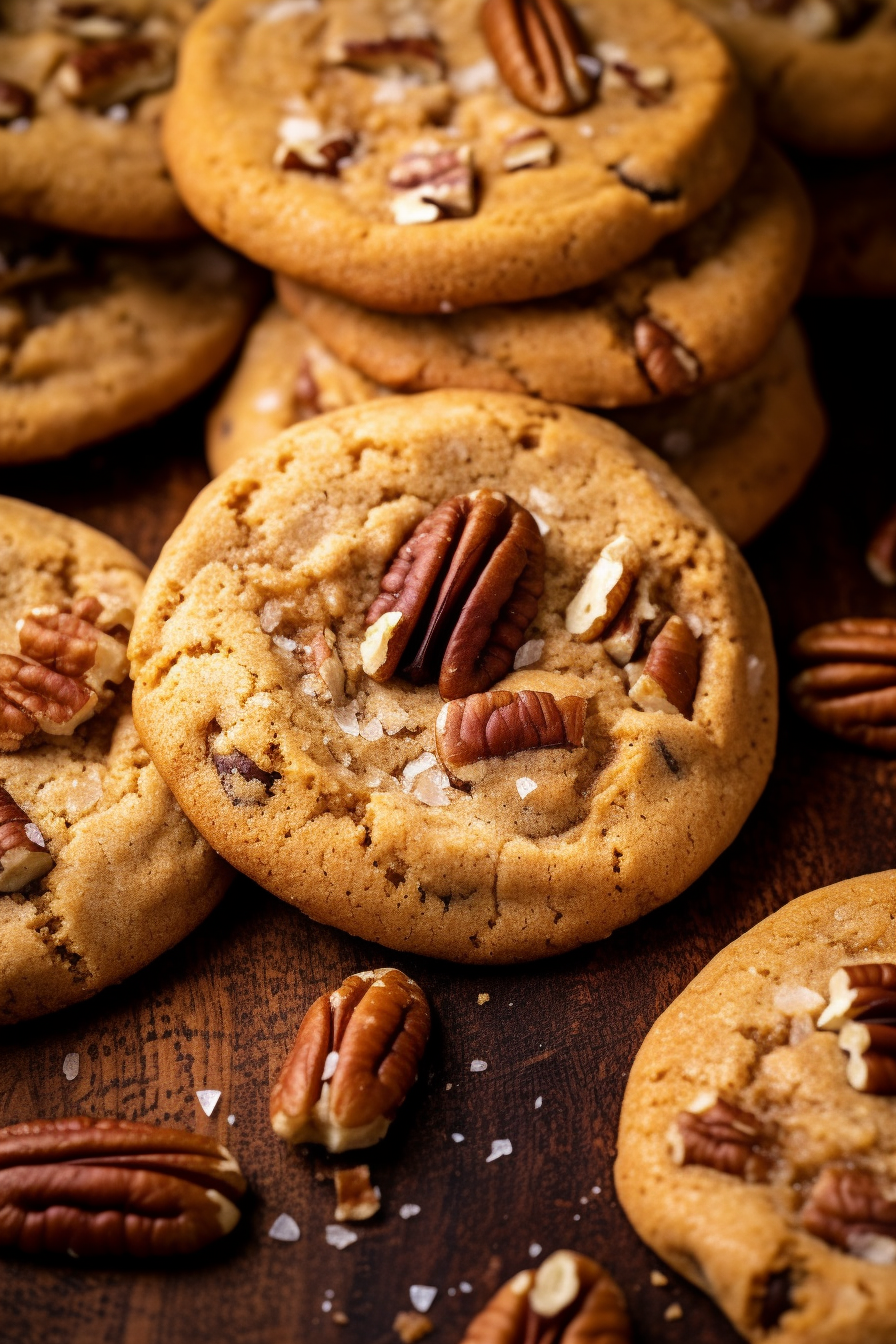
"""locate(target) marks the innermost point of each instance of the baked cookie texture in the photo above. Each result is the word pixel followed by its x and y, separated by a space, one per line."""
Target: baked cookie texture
pixel 84 89
pixel 97 337
pixel 343 808
pixel 855 212
pixel 130 875
pixel 744 446
pixel 719 290
pixel 746 1030
pixel 303 135
pixel 824 71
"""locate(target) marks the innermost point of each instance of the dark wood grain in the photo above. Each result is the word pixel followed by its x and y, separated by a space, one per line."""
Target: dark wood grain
pixel 221 1010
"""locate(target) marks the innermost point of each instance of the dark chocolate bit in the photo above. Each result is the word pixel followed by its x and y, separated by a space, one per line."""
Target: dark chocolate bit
pixel 776 1299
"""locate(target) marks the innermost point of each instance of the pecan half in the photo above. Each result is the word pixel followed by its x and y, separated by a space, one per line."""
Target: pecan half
pixel 871 1047
pixel 606 587
pixel 421 56
pixel 881 553
pixel 848 687
pixel 850 1209
pixel 114 1187
pixel 865 992
pixel 51 701
pixel 671 369
pixel 244 782
pixel 723 1137
pixel 459 596
pixel 433 182
pixel 536 46
pixel 325 154
pixel 636 619
pixel 570 1298
pixel 24 856
pixel 356 1199
pixel 355 1059
pixel 15 101
pixel 328 664
pixel 115 72
pixel 69 641
pixel 669 680
pixel 502 723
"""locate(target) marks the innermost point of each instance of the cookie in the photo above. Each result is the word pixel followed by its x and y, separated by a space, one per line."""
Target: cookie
pixel 97 337
pixel 100 871
pixel 757 1141
pixel 855 212
pixel 824 71
pixel 744 446
pixel 701 307
pixel 82 91
pixel 541 795
pixel 380 152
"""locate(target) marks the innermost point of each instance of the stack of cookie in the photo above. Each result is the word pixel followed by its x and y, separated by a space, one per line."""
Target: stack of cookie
pixel 574 208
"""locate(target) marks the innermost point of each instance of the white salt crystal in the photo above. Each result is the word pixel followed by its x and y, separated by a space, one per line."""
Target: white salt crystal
pixel 297 130
pixel 478 1066
pixel 71 1066
pixel 231 1119
pixel 393 718
pixel 538 1101
pixel 284 1228
pixel 595 1189
pixel 287 645
pixel 408 1211
pixel 792 999
pixel 346 717
pixel 458 1138
pixel 372 731
pixel 118 112
pixel 525 786
pixel 433 788
pixel 545 501
pixel 535 1250
pixel 416 767
pixel 528 653
pixel 465 1287
pixel 34 834
pixel 270 615
pixel 422 1297
pixel 208 1099
pixel 330 1064
pixel 326 1305
pixel 338 1236
pixel 500 1148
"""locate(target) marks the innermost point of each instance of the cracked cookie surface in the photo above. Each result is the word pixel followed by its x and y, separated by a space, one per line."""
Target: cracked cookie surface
pixel 340 806
pixel 309 137
pixel 97 337
pixel 746 1032
pixel 130 875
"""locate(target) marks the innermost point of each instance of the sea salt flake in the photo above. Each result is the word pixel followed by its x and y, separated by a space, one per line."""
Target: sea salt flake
pixel 338 1236
pixel 270 615
pixel 535 1250
pixel 372 731
pixel 287 645
pixel 71 1066
pixel 577 1217
pixel 330 1064
pixel 452 1292
pixel 118 113
pixel 231 1119
pixel 268 401
pixel 330 1294
pixel 326 1305
pixel 595 1189
pixel 416 767
pixel 543 527
pixel 583 1199
pixel 34 834
pixel 473 78
pixel 525 786
pixel 538 1101
pixel 478 1066
pixel 545 501
pixel 298 130
pixel 465 1287
pixel 408 1211
pixel 793 999
pixel 422 1297
pixel 591 65
pixel 208 1099
pixel 500 1148
pixel 528 653
pixel 393 718
pixel 284 1228
pixel 458 1138
pixel 433 789
pixel 346 717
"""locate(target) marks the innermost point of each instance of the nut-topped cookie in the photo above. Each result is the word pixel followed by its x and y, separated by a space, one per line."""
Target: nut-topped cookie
pixel 757 1142
pixel 82 91
pixel 464 673
pixel 702 306
pixel 100 871
pixel 96 337
pixel 419 158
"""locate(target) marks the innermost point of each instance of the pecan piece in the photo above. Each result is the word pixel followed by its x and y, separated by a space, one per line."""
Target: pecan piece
pixel 325 154
pixel 24 856
pixel 723 1137
pixel 421 56
pixel 115 72
pixel 865 992
pixel 671 369
pixel 502 723
pixel 848 687
pixel 459 596
pixel 411 1326
pixel 15 102
pixel 871 1047
pixel 52 702
pixel 328 664
pixel 433 182
pixel 69 641
pixel 668 682
pixel 536 46
pixel 356 1198
pixel 354 1061
pixel 569 1298
pixel 606 587
pixel 881 553
pixel 851 1209
pixel 244 782
pixel 114 1187
pixel 528 148
pixel 622 638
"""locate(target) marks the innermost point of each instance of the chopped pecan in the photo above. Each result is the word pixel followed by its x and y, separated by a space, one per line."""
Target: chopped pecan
pixel 502 723
pixel 671 369
pixel 355 1059
pixel 636 619
pixel 606 587
pixel 421 56
pixel 852 1210
pixel 669 680
pixel 871 1047
pixel 328 664
pixel 15 101
pixel 433 182
pixel 356 1199
pixel 69 641
pixel 723 1137
pixel 537 47
pixel 570 1298
pixel 865 992
pixel 115 72
pixel 459 596
pixel 53 702
pixel 881 553
pixel 325 154
pixel 24 856
pixel 114 1187
pixel 411 1326
pixel 848 687
pixel 650 82
pixel 244 782
pixel 528 148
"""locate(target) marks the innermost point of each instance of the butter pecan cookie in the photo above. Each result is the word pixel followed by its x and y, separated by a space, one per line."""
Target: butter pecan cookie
pixel 421 157
pixel 100 871
pixel 82 90
pixel 96 337
pixel 702 306
pixel 465 673
pixel 855 212
pixel 824 71
pixel 757 1142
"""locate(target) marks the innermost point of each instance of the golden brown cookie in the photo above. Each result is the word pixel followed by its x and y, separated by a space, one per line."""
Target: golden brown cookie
pixel 96 337
pixel 381 153
pixel 757 1142
pixel 100 871
pixel 82 91
pixel 593 742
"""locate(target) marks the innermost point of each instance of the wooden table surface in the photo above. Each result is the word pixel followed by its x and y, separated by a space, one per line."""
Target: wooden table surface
pixel 221 1010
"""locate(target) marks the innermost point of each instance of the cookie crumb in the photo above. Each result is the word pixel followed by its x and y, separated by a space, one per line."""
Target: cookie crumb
pixel 500 1148
pixel 658 1279
pixel 71 1066
pixel 339 1318
pixel 483 998
pixel 673 1312
pixel 410 1326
